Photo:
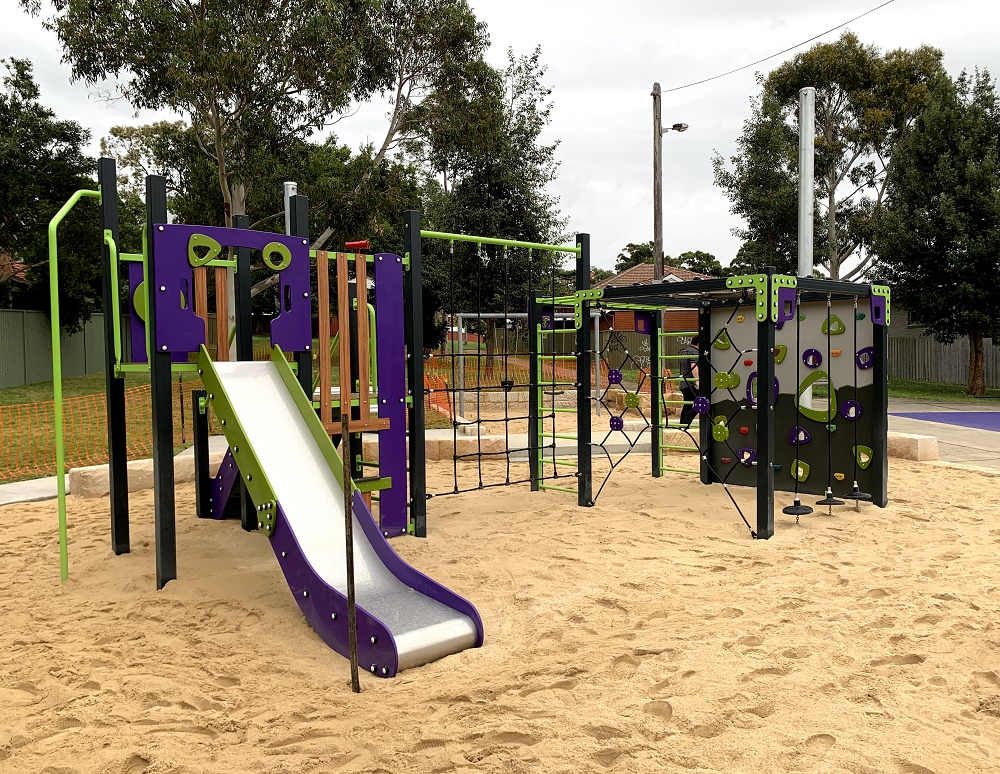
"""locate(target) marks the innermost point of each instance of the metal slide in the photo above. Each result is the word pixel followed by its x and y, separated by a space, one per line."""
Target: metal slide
pixel 404 618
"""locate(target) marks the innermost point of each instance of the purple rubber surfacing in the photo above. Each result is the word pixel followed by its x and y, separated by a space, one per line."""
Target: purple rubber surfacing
pixel 222 484
pixel 180 330
pixel 977 420
pixel 391 356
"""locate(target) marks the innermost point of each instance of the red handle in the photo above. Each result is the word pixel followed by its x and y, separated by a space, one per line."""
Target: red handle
pixel 363 244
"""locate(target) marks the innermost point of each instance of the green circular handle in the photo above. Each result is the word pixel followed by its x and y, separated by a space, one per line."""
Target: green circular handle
pixel 283 254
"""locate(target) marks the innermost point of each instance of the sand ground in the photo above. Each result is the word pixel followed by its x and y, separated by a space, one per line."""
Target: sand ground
pixel 647 634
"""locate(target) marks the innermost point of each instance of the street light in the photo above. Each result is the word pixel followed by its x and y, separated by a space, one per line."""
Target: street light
pixel 658 131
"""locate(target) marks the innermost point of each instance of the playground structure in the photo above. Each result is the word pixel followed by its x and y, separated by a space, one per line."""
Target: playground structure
pixel 291 482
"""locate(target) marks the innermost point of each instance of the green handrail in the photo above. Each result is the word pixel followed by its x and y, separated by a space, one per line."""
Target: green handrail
pixel 479 240
pixel 109 240
pixel 57 372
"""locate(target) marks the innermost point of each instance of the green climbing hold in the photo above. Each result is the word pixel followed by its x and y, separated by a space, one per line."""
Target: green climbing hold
pixel 780 350
pixel 819 415
pixel 863 454
pixel 802 316
pixel 832 428
pixel 833 325
pixel 800 470
pixel 722 340
pixel 212 249
pixel 720 433
pixel 726 380
pixel 631 400
pixel 860 316
pixel 777 467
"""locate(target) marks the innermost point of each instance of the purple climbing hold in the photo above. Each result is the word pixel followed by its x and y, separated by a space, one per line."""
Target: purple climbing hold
pixel 850 410
pixel 812 358
pixel 746 456
pixel 799 435
pixel 865 358
pixel 752 390
pixel 702 405
pixel 617 423
pixel 614 376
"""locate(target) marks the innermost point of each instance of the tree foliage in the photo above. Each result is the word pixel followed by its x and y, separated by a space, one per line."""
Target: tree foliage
pixel 701 262
pixel 865 104
pixel 42 163
pixel 938 241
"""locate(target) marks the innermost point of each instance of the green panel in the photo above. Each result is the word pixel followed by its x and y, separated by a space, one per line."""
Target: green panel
pixel 305 407
pixel 883 290
pixel 817 414
pixel 833 326
pixel 779 281
pixel 251 472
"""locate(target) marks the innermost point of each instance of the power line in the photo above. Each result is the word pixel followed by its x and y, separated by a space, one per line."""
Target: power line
pixel 790 48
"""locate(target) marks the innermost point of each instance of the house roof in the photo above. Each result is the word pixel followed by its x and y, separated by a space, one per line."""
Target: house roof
pixel 642 274
pixel 11 269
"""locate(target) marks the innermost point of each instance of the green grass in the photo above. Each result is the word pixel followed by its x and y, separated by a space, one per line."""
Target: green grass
pixel 90 384
pixel 933 391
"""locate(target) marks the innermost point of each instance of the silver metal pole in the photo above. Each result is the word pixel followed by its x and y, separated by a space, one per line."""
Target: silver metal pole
pixel 289 189
pixel 461 369
pixel 657 187
pixel 807 152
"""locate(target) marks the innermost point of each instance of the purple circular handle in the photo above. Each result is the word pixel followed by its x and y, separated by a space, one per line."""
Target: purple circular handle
pixel 614 376
pixel 702 405
pixel 812 358
pixel 617 423
pixel 850 410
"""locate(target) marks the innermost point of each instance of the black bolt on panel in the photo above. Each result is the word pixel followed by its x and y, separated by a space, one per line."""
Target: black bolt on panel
pixel 584 483
pixel 160 381
pixel 414 332
pixel 114 387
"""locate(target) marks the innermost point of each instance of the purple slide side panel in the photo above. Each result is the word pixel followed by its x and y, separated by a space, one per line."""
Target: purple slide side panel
pixel 136 327
pixel 391 355
pixel 222 485
pixel 180 330
pixel 326 608
pixel 409 575
pixel 786 304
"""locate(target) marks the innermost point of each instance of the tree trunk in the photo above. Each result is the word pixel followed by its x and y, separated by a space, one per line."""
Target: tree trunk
pixel 239 193
pixel 977 364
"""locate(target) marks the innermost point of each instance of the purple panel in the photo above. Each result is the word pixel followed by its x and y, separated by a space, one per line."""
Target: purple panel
pixel 326 608
pixel 878 310
pixel 643 323
pixel 786 305
pixel 548 321
pixel 391 356
pixel 411 577
pixel 180 330
pixel 222 484
pixel 136 327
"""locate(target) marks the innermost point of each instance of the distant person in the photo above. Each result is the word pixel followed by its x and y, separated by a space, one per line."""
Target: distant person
pixel 689 382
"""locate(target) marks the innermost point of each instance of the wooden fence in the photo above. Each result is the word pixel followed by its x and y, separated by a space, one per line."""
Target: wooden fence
pixel 923 359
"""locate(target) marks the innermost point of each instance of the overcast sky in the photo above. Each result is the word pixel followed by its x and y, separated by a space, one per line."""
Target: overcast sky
pixel 603 58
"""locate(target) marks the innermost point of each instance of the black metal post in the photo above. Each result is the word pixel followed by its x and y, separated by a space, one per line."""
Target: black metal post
pixel 244 351
pixel 114 387
pixel 584 482
pixel 162 401
pixel 880 419
pixel 202 477
pixel 534 450
pixel 704 343
pixel 299 206
pixel 353 447
pixel 414 330
pixel 765 419
pixel 656 393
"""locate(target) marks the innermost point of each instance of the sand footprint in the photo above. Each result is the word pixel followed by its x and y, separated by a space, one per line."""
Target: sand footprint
pixel 659 708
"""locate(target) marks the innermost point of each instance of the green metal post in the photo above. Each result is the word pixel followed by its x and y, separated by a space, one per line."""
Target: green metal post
pixel 57 372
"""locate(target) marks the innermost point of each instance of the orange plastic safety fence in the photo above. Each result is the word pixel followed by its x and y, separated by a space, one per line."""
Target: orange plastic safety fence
pixel 28 438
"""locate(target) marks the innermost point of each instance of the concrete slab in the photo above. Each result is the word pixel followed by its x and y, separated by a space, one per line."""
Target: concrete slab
pixel 30 491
